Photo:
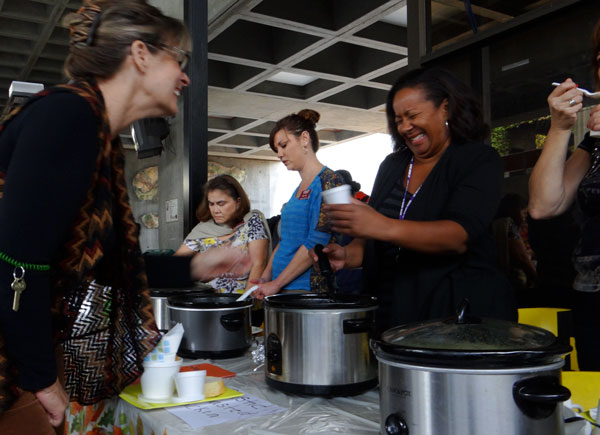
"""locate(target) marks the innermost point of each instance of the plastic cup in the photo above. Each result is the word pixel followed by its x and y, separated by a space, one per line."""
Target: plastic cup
pixel 190 385
pixel 157 380
pixel 338 195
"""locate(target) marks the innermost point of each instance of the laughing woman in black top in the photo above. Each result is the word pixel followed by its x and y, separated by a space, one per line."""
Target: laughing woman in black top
pixel 424 239
pixel 66 227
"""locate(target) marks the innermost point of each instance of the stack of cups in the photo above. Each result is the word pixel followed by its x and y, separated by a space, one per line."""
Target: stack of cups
pixel 160 366
pixel 157 380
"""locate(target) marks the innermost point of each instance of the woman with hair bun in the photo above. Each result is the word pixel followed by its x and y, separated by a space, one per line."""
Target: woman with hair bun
pixel 354 185
pixel 75 286
pixel 303 225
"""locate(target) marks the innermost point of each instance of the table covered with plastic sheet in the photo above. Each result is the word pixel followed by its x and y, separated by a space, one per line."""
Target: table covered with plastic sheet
pixel 301 414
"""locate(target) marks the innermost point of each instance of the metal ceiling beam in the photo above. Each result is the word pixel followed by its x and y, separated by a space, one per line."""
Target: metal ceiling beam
pixel 195 119
pixel 55 16
pixel 478 10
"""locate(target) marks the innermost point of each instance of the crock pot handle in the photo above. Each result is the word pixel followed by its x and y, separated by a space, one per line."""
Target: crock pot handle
pixel 537 397
pixel 357 326
pixel 463 316
pixel 555 394
pixel 232 322
pixel 461 312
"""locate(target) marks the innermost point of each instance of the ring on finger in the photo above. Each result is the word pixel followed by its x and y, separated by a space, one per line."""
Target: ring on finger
pixel 572 102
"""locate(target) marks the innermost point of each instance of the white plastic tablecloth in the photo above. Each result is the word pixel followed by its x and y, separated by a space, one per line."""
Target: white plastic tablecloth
pixel 303 414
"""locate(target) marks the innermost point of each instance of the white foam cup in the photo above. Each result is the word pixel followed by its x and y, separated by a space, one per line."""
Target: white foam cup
pixel 157 379
pixel 337 195
pixel 190 385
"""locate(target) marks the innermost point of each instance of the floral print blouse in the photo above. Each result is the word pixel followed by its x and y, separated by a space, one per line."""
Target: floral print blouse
pixel 253 229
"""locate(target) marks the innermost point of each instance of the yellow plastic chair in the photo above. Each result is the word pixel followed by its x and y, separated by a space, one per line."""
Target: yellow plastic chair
pixel 552 320
pixel 584 386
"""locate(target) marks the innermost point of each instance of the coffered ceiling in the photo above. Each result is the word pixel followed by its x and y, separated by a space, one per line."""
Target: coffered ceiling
pixel 269 58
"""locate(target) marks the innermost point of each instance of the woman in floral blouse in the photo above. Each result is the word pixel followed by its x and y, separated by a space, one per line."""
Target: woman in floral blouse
pixel 231 243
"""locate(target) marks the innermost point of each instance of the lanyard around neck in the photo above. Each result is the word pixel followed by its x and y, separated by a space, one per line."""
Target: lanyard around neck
pixel 404 206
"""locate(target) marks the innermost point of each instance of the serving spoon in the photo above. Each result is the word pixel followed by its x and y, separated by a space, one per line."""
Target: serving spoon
pixel 593 133
pixel 247 293
pixel 585 91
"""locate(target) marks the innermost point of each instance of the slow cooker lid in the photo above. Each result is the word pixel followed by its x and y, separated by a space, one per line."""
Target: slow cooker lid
pixel 487 335
pixel 471 342
pixel 209 301
pixel 320 301
pixel 190 291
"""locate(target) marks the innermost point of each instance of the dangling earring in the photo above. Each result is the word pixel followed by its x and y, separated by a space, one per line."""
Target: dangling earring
pixel 447 126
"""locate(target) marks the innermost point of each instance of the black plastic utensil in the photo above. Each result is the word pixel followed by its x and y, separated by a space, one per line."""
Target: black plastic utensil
pixel 326 270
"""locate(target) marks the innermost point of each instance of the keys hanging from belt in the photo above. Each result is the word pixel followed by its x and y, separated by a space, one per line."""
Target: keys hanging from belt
pixel 18 285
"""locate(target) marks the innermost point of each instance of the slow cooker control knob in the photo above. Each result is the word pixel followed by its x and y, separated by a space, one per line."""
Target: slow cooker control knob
pixel 395 425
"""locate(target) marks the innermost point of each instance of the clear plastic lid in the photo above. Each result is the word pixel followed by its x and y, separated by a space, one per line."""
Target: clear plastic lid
pixel 487 335
pixel 470 342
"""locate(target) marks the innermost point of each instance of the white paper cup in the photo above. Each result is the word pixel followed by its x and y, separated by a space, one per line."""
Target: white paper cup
pixel 338 195
pixel 190 385
pixel 157 379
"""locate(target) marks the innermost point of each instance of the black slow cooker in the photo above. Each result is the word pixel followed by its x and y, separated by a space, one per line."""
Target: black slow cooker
pixel 216 326
pixel 159 297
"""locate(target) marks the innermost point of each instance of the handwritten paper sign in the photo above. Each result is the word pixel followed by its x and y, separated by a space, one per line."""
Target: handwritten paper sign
pixel 240 408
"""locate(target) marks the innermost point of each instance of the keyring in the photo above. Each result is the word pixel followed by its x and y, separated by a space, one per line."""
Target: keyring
pixel 15 272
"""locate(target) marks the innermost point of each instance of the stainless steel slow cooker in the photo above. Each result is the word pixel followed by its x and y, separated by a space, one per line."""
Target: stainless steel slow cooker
pixel 470 376
pixel 159 296
pixel 215 326
pixel 319 344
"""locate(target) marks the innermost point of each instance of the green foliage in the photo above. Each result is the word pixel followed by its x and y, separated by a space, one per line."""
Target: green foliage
pixel 499 139
pixel 539 141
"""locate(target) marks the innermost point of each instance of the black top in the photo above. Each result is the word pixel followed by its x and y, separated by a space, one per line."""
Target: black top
pixel 464 187
pixel 48 153
pixel 587 253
